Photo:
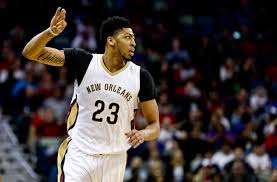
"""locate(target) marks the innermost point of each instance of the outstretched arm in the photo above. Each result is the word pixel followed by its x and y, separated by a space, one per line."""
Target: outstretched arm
pixel 36 48
pixel 152 130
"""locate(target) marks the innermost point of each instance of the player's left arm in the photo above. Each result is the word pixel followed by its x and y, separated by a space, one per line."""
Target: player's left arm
pixel 150 111
pixel 151 115
pixel 152 130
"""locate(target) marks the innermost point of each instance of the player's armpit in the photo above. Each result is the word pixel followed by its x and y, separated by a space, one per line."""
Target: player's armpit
pixel 51 56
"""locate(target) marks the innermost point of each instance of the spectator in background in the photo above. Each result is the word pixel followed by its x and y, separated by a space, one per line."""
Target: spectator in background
pixel 239 174
pixel 176 170
pixel 259 160
pixel 195 143
pixel 58 103
pixel 167 132
pixel 219 112
pixel 223 156
pixel 156 172
pixel 258 99
pixel 136 171
pixel 85 36
pixel 207 57
pixel 17 37
pixel 270 144
pixel 44 138
pixel 238 156
pixel 84 40
pixel 248 73
pixel 207 172
pixel 227 70
pixel 177 53
pixel 271 120
pixel 46 85
pixel 248 136
pixel 48 126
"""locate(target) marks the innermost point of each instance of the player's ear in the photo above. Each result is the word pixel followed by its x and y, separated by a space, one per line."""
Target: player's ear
pixel 110 41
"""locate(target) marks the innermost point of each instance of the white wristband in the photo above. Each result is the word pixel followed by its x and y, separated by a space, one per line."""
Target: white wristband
pixel 51 31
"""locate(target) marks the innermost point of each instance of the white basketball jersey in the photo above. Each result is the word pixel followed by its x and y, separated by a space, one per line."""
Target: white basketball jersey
pixel 103 107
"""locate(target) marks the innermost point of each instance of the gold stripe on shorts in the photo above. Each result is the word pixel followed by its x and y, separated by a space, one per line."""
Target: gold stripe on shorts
pixel 61 157
pixel 73 113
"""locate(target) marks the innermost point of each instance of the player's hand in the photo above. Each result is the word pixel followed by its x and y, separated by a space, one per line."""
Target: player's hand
pixel 58 23
pixel 135 137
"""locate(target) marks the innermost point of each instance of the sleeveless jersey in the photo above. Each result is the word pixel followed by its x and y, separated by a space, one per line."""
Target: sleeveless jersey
pixel 103 106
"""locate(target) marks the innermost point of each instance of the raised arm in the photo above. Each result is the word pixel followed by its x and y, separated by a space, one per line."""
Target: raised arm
pixel 36 48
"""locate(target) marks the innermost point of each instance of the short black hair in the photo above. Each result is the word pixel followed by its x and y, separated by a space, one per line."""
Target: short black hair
pixel 111 25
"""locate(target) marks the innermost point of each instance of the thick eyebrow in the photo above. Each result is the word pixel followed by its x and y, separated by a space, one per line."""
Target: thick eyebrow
pixel 131 34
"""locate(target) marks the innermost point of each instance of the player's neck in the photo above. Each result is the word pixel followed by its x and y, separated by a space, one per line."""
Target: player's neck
pixel 113 63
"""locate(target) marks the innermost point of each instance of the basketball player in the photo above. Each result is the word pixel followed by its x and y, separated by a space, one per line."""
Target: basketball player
pixel 108 90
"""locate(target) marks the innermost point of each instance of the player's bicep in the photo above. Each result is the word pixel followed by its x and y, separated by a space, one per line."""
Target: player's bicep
pixel 51 56
pixel 150 111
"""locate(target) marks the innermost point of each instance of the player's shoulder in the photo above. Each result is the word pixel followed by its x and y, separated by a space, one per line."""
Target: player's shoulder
pixel 134 66
pixel 77 52
pixel 143 71
pixel 97 54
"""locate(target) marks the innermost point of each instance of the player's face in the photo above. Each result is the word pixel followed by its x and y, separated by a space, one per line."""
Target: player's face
pixel 125 43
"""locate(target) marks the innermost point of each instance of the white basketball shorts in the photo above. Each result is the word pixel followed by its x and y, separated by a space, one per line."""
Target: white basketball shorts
pixel 75 166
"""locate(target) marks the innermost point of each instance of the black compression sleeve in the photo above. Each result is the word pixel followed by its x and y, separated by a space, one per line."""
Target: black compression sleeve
pixel 147 86
pixel 77 61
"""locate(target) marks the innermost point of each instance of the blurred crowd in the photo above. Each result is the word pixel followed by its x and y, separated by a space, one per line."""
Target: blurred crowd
pixel 214 65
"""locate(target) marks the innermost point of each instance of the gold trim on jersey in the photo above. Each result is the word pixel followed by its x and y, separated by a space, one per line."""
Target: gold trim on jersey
pixel 73 113
pixel 61 156
pixel 114 73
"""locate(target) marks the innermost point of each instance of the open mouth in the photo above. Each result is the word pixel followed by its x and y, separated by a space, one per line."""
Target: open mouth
pixel 132 52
